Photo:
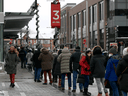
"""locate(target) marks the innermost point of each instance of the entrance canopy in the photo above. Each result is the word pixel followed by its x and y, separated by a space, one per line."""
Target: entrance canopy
pixel 14 22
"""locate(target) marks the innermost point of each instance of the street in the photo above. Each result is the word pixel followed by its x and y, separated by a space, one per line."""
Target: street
pixel 25 86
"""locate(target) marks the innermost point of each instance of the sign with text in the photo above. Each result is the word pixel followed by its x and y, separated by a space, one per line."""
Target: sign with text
pixel 55 15
pixel 113 44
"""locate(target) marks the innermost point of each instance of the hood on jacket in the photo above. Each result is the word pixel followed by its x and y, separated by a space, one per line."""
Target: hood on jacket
pixel 59 52
pixel 126 58
pixel 97 51
pixel 125 51
pixel 65 50
pixel 45 52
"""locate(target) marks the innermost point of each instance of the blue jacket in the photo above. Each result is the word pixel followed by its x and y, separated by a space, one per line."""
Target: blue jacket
pixel 110 72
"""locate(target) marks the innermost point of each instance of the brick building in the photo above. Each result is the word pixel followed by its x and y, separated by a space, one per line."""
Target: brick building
pixel 96 21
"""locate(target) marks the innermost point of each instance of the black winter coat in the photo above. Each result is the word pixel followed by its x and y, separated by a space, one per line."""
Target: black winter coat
pixel 56 67
pixel 97 65
pixel 37 63
pixel 123 63
pixel 75 58
pixel 22 55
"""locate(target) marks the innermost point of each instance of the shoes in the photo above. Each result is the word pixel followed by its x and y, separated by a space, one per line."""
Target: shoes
pixel 86 92
pixel 39 81
pixel 13 85
pixel 62 88
pixel 50 83
pixel 35 80
pixel 73 90
pixel 44 83
pixel 81 90
pixel 69 88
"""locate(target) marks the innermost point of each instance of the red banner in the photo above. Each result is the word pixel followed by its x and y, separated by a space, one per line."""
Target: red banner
pixel 55 15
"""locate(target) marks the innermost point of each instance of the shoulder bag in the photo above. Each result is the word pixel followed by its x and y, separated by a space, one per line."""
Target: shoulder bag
pixel 119 78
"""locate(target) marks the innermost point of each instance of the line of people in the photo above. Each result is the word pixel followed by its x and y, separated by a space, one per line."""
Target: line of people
pixel 84 66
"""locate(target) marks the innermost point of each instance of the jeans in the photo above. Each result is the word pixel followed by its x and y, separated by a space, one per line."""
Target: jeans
pixel 74 81
pixel 114 88
pixel 98 82
pixel 86 81
pixel 37 73
pixel 23 64
pixel 124 93
pixel 63 79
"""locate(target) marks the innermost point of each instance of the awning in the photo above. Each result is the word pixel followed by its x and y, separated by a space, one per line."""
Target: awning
pixel 14 22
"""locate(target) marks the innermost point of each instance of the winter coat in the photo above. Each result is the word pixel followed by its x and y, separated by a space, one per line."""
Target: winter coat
pixel 64 59
pixel 11 63
pixel 110 71
pixel 29 56
pixel 22 55
pixel 85 67
pixel 97 66
pixel 46 60
pixel 37 63
pixel 75 58
pixel 123 63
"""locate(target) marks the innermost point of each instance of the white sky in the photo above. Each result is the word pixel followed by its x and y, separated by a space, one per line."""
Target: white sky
pixel 44 12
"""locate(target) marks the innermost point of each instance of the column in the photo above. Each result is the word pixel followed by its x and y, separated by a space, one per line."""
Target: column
pixel 1 30
pixel 98 31
pixel 105 20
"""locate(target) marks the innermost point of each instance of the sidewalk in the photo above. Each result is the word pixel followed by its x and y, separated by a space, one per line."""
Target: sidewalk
pixel 25 86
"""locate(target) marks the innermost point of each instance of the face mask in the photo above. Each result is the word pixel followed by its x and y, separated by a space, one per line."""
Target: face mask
pixel 110 55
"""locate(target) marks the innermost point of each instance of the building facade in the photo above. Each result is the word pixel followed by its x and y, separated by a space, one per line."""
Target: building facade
pixel 96 21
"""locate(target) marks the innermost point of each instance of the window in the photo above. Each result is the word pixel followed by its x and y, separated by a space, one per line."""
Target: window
pixel 71 22
pixel 94 13
pixel 41 41
pixel 46 41
pixel 84 17
pixel 65 22
pixel 79 19
pixel 101 10
pixel 90 15
pixel 121 12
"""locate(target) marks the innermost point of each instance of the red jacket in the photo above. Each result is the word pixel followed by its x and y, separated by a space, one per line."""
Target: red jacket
pixel 84 64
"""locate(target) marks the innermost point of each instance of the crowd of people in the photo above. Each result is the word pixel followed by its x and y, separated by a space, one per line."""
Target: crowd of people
pixel 94 64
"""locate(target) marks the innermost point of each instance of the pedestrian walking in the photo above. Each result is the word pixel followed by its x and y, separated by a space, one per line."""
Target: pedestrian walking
pixel 64 59
pixel 85 71
pixel 97 65
pixel 29 57
pixel 74 60
pixel 111 69
pixel 22 55
pixel 11 65
pixel 56 68
pixel 122 70
pixel 46 64
pixel 37 65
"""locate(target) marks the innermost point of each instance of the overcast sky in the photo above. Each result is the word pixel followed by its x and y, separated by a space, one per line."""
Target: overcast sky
pixel 44 12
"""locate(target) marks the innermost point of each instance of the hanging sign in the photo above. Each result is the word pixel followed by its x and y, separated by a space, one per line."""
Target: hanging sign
pixel 55 15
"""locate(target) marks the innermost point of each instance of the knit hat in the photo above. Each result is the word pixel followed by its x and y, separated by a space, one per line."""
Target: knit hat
pixel 113 51
pixel 125 51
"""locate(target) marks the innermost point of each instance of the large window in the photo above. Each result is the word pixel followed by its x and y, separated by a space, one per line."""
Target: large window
pixel 90 15
pixel 84 17
pixel 94 13
pixel 74 22
pixel 121 12
pixel 46 42
pixel 101 10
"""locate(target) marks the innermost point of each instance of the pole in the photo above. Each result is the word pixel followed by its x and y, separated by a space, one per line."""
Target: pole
pixel 1 33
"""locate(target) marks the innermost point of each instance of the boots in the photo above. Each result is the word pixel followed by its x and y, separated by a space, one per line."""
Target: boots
pixel 99 94
pixel 59 83
pixel 86 93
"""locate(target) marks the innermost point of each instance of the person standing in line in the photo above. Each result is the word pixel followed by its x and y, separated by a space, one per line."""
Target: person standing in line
pixel 122 69
pixel 46 64
pixel 56 68
pixel 22 55
pixel 64 59
pixel 97 66
pixel 74 59
pixel 85 70
pixel 11 64
pixel 37 65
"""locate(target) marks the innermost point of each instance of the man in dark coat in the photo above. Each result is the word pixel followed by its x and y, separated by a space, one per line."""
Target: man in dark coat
pixel 74 59
pixel 46 64
pixel 11 64
pixel 37 65
pixel 123 66
pixel 22 55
